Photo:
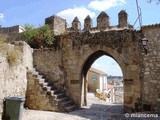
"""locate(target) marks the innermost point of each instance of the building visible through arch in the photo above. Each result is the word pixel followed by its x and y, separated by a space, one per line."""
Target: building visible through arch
pixel 105 80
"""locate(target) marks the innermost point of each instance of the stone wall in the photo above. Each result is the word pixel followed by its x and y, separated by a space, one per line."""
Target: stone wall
pixel 13 29
pixel 13 81
pixel 48 62
pixel 12 33
pixel 151 69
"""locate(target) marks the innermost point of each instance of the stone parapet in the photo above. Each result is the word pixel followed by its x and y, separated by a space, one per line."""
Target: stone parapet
pixel 103 23
pixel 154 26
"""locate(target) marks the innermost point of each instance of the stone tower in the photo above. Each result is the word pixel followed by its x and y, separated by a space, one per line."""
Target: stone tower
pixel 103 21
pixel 76 25
pixel 57 24
pixel 87 23
pixel 123 19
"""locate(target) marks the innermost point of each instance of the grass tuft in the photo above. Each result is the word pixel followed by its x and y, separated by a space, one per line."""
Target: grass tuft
pixel 13 57
pixel 2 39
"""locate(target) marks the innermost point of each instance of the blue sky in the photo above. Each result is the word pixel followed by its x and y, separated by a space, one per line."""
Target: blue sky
pixel 20 12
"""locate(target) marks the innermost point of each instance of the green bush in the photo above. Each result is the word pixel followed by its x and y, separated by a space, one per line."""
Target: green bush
pixel 38 37
pixel 30 32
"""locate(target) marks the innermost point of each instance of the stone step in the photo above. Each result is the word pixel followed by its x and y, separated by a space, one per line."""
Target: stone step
pixel 56 91
pixel 43 84
pixel 67 103
pixel 62 99
pixel 52 83
pixel 41 80
pixel 71 108
pixel 52 92
pixel 34 69
pixel 35 73
pixel 46 88
pixel 40 77
pixel 58 96
pixel 53 88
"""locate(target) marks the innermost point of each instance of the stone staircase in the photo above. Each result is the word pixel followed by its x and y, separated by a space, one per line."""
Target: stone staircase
pixel 63 102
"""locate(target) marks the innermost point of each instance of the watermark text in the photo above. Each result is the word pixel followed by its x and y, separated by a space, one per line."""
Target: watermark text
pixel 140 115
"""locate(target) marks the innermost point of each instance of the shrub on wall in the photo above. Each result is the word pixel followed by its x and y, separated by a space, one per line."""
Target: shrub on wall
pixel 3 44
pixel 29 33
pixel 2 39
pixel 38 37
pixel 13 56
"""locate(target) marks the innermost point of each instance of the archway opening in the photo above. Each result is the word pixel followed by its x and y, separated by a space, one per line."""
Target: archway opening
pixel 102 80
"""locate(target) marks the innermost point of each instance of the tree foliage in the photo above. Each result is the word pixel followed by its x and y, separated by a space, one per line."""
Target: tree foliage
pixel 38 37
pixel 30 32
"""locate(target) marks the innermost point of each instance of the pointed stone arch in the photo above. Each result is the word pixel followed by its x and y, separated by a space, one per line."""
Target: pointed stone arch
pixel 91 59
pixel 95 55
pixel 80 50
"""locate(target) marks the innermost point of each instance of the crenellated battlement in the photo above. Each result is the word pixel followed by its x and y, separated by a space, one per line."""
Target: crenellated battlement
pixel 57 24
pixel 103 23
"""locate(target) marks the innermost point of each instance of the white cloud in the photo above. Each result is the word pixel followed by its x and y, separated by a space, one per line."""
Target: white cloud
pixel 1 16
pixel 80 12
pixel 96 65
pixel 108 65
pixel 103 5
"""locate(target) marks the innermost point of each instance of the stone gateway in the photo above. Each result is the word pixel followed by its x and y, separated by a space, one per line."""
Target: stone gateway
pixel 64 68
pixel 77 50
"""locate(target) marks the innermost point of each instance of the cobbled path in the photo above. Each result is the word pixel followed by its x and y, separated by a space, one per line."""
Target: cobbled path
pixel 95 110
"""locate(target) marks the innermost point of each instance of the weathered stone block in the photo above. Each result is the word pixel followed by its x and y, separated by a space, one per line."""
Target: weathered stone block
pixel 127 88
pixel 154 81
pixel 136 89
pixel 74 81
pixel 127 99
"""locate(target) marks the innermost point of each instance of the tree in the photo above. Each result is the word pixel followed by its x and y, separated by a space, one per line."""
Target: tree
pixel 30 32
pixel 38 37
